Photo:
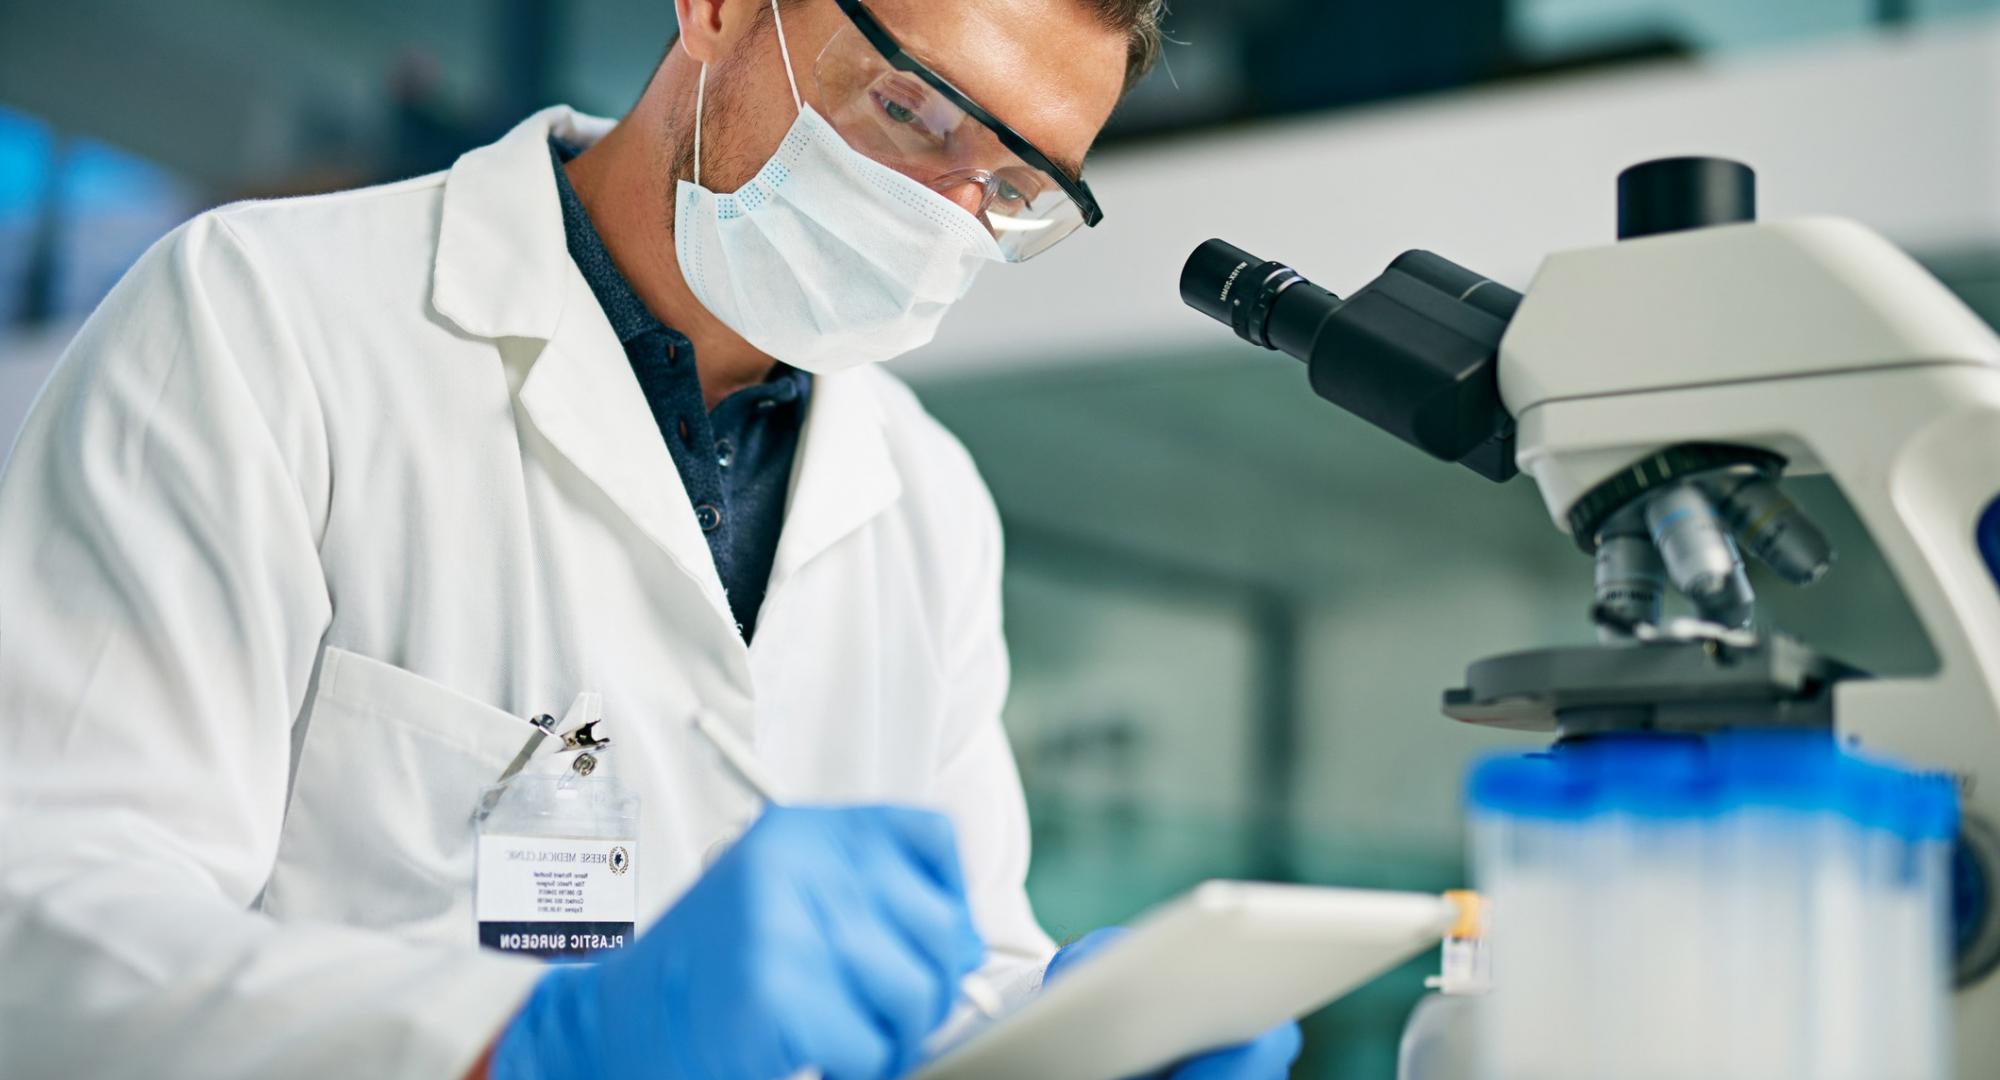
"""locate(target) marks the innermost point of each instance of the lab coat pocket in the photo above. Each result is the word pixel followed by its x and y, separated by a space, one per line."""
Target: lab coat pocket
pixel 379 829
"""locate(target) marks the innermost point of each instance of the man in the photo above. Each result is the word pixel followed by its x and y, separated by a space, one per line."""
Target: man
pixel 332 493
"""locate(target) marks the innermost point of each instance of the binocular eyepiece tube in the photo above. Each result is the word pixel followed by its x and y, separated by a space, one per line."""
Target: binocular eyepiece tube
pixel 1413 352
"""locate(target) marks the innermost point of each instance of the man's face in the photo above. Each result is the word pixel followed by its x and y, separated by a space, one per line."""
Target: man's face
pixel 1046 68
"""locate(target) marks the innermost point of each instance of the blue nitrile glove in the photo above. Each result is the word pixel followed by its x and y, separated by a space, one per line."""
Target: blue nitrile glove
pixel 1267 1057
pixel 832 939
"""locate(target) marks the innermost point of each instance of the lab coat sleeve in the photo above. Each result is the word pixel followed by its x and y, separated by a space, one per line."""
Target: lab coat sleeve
pixel 161 608
pixel 977 782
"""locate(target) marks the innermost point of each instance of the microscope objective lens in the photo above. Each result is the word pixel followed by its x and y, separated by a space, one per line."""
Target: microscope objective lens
pixel 1700 556
pixel 1631 583
pixel 1771 527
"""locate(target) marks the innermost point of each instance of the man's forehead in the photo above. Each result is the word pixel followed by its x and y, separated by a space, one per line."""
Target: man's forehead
pixel 1029 62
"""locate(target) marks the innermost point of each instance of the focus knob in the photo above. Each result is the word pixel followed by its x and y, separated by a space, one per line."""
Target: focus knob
pixel 1672 194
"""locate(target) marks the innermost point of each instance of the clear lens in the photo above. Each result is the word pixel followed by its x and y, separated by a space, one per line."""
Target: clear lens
pixel 896 118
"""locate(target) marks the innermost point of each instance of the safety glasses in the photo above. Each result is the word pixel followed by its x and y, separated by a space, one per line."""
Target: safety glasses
pixel 892 108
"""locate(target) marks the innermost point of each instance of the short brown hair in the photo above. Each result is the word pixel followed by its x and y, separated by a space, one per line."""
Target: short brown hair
pixel 1140 21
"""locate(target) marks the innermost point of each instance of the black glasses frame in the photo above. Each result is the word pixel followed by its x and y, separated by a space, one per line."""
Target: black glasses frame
pixel 893 52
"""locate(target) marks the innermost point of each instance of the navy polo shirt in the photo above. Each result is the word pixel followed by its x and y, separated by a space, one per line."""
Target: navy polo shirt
pixel 735 462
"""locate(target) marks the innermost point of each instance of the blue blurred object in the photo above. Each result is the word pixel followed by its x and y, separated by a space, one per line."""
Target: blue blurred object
pixel 1971 898
pixel 25 148
pixel 832 939
pixel 1267 1057
pixel 1987 535
pixel 1737 905
pixel 74 214
pixel 1681 776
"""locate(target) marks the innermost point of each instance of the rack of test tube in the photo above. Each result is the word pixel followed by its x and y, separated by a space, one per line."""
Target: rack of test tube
pixel 1749 904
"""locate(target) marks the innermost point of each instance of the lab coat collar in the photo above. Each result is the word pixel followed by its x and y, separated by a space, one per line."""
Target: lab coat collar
pixel 502 257
pixel 582 396
pixel 503 270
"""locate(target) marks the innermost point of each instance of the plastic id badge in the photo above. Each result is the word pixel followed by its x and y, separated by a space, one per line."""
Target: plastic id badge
pixel 557 871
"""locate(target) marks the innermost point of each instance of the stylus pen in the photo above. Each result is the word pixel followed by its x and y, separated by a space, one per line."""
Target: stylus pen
pixel 974 990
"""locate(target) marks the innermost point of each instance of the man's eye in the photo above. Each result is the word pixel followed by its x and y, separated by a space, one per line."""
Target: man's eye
pixel 1013 194
pixel 900 113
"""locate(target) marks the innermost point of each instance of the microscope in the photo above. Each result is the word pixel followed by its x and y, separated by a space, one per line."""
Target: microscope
pixel 1658 390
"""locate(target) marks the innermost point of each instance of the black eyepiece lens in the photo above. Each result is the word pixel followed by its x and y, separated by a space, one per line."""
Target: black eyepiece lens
pixel 1210 280
pixel 1235 288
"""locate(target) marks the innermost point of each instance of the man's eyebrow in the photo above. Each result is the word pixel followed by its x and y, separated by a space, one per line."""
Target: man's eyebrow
pixel 1069 167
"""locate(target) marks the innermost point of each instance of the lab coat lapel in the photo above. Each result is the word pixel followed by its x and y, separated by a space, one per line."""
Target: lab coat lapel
pixel 503 270
pixel 845 474
pixel 582 396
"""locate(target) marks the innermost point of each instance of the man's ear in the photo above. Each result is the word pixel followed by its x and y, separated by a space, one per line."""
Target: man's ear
pixel 710 28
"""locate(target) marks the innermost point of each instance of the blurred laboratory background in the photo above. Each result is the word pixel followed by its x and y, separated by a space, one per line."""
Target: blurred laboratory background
pixel 1232 607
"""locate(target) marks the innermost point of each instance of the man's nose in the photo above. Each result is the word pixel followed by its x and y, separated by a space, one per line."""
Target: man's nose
pixel 970 194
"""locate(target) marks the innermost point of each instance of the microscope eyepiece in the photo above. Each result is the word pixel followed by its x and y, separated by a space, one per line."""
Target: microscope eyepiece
pixel 1209 280
pixel 1237 289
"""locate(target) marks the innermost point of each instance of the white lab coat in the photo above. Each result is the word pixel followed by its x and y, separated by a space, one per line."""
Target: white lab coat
pixel 328 496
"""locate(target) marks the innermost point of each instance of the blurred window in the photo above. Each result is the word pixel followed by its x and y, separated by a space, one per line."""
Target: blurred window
pixel 1563 27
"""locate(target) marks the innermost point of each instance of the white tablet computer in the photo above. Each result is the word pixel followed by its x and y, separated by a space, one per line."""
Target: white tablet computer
pixel 1215 967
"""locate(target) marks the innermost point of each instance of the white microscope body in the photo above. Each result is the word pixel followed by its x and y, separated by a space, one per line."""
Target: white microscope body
pixel 1819 341
pixel 1656 389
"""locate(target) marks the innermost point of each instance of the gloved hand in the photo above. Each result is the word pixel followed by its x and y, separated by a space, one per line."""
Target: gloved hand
pixel 1267 1057
pixel 832 939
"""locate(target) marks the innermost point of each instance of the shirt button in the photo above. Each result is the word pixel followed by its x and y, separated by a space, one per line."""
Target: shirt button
pixel 708 517
pixel 725 453
pixel 714 853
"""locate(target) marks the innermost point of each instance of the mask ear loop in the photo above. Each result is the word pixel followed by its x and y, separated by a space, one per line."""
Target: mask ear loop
pixel 785 51
pixel 700 92
pixel 701 88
